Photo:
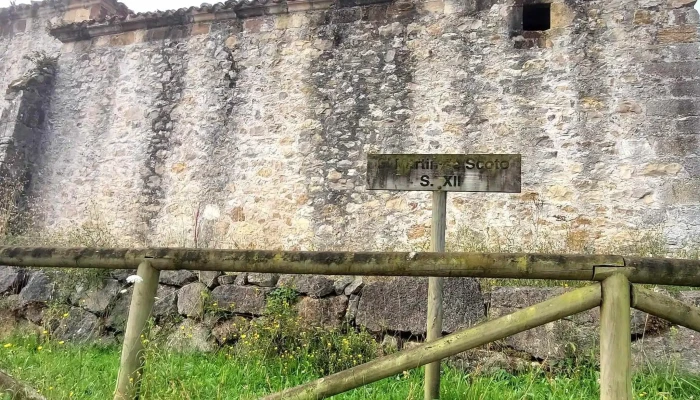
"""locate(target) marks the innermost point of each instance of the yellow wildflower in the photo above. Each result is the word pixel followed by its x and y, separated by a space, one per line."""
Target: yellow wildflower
pixel 61 342
pixel 7 345
pixel 39 348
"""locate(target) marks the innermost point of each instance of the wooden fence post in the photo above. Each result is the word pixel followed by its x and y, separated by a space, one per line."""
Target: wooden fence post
pixel 615 340
pixel 435 293
pixel 132 360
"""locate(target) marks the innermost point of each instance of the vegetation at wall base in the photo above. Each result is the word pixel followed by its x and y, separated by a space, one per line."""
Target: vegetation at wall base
pixel 61 370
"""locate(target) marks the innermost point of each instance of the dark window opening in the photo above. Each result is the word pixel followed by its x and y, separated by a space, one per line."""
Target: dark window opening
pixel 536 17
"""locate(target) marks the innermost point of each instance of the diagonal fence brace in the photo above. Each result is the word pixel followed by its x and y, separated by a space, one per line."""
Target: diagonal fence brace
pixel 666 307
pixel 562 306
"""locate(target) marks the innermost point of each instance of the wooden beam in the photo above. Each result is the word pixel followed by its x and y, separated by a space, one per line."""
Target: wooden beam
pixel 132 360
pixel 475 265
pixel 435 293
pixel 665 307
pixel 615 340
pixel 567 304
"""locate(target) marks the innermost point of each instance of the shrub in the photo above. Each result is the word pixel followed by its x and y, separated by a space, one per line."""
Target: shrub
pixel 281 333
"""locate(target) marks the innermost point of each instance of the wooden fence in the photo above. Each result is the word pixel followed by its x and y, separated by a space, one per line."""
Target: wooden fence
pixel 614 290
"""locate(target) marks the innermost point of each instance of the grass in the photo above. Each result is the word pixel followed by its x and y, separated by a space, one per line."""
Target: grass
pixel 67 371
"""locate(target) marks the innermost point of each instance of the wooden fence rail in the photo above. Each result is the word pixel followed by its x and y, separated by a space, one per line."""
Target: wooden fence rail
pixel 615 296
pixel 476 265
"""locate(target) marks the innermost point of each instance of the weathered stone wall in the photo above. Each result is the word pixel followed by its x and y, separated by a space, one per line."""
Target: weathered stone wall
pixel 253 132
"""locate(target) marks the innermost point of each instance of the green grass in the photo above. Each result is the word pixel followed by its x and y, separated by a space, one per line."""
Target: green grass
pixel 65 371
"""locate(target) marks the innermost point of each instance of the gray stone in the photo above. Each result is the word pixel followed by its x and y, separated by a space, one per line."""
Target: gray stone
pixel 79 326
pixel 678 346
pixel 190 336
pixel 241 279
pixel 191 299
pixel 355 287
pixel 673 108
pixel 241 299
pixel 263 280
pixel 38 288
pixel 166 301
pixel 117 315
pixel 327 312
pixel 401 305
pixel 353 303
pixel 177 278
pixel 673 70
pixel 227 279
pixel 341 283
pixel 551 341
pixel 209 278
pixel 97 300
pixel 312 285
pixel 690 125
pixel 690 297
pixel 11 280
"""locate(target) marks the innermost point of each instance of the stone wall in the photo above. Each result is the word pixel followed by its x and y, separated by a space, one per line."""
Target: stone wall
pixel 248 125
pixel 198 311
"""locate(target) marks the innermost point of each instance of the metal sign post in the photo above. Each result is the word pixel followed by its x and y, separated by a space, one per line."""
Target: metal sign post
pixel 442 173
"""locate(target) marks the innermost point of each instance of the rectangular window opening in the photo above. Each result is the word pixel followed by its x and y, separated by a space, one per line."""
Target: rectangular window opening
pixel 536 17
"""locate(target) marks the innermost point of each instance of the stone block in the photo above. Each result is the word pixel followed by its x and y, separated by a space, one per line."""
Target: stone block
pixel 678 346
pixel 78 326
pixel 263 280
pixel 11 280
pixel 190 336
pixel 210 278
pixel 327 312
pixel 685 88
pixel 166 302
pixel 676 145
pixel 681 3
pixel 678 34
pixel 690 297
pixel 353 303
pixel 191 298
pixel 241 299
pixel 227 279
pixel 122 39
pixel 341 283
pixel 177 278
pixel 39 288
pixel 312 285
pixel 118 314
pixel 401 305
pixel 201 28
pixel 355 287
pixel 97 300
pixel 673 70
pixel 685 191
pixel 689 125
pixel 673 108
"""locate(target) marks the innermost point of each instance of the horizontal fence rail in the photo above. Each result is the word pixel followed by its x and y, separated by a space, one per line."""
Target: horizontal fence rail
pixel 658 271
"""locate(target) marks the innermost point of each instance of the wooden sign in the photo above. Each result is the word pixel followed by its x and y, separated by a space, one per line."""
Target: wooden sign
pixel 445 172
